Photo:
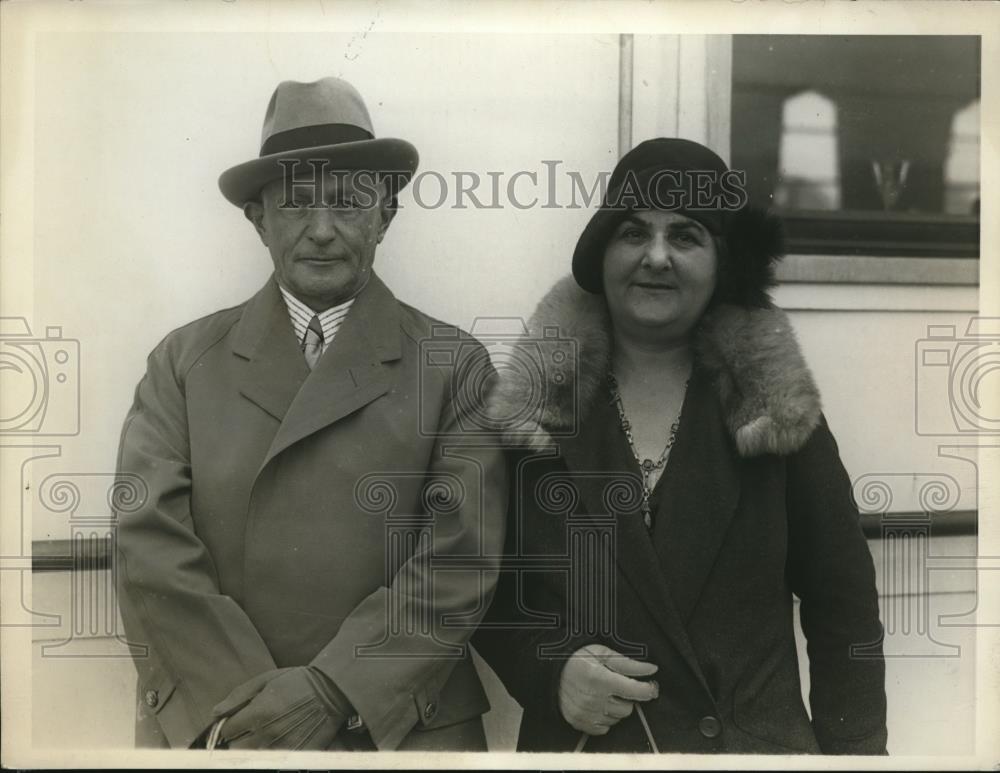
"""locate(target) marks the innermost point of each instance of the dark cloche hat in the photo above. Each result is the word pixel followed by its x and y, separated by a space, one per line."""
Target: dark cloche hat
pixel 326 119
pixel 686 177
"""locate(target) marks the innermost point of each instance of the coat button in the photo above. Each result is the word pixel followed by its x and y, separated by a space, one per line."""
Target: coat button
pixel 152 698
pixel 710 727
pixel 430 710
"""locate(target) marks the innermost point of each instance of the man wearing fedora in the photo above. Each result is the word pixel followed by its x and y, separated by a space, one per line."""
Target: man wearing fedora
pixel 281 444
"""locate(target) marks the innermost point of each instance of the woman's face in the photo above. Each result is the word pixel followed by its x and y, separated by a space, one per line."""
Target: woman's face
pixel 659 273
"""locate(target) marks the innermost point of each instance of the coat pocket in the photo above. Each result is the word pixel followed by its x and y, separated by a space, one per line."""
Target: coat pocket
pixel 768 707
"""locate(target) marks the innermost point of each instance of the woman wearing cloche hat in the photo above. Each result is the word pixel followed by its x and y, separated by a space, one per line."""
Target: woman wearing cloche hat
pixel 675 485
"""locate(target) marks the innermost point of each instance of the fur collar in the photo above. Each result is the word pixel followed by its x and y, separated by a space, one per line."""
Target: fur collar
pixel 769 400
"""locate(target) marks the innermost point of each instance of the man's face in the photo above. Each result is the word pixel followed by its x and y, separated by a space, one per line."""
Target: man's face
pixel 322 234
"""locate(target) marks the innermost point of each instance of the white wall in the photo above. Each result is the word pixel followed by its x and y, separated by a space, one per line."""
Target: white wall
pixel 866 365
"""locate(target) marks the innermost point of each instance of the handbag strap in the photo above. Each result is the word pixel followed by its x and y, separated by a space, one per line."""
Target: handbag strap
pixel 645 726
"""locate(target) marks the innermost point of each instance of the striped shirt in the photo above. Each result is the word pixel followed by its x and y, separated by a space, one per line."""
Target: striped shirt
pixel 301 315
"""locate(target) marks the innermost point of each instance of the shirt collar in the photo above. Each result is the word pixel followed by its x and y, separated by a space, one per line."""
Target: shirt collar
pixel 301 315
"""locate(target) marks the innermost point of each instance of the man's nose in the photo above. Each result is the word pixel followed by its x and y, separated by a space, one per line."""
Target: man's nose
pixel 657 254
pixel 322 225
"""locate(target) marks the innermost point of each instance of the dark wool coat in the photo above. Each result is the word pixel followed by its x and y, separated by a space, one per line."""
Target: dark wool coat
pixel 756 507
pixel 262 539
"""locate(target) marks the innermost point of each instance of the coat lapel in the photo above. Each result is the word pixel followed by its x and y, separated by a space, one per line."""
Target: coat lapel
pixel 350 374
pixel 698 496
pixel 271 366
pixel 590 450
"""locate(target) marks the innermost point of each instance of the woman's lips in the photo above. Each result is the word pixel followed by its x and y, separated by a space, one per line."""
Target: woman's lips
pixel 654 286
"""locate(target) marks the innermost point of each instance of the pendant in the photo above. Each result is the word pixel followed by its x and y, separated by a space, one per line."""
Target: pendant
pixel 646 517
pixel 648 464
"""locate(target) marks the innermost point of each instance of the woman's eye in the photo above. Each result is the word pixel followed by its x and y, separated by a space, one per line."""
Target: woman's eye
pixel 632 235
pixel 687 239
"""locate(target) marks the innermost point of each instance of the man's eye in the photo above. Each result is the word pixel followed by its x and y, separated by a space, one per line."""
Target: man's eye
pixel 350 206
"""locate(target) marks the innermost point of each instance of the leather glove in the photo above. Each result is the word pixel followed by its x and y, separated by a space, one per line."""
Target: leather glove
pixel 287 708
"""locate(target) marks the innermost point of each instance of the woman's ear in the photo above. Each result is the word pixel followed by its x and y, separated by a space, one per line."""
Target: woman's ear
pixel 254 212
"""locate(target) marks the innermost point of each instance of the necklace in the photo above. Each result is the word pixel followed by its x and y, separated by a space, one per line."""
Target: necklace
pixel 646 466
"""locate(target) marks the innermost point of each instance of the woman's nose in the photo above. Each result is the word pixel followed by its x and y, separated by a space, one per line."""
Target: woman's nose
pixel 657 255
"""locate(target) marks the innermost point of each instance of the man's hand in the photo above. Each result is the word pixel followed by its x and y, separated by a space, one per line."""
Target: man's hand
pixel 595 691
pixel 288 708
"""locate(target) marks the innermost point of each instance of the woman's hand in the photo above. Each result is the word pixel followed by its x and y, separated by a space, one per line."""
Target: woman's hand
pixel 596 691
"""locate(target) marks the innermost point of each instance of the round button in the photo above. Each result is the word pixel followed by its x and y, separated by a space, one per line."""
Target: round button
pixel 710 727
pixel 430 710
pixel 152 698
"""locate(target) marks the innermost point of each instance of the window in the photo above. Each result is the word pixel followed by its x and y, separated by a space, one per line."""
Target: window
pixel 866 145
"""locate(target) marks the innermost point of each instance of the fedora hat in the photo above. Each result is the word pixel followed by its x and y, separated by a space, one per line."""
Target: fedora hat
pixel 686 177
pixel 327 120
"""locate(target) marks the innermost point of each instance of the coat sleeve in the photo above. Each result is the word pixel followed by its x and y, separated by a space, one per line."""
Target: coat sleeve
pixel 200 642
pixel 394 688
pixel 511 638
pixel 831 571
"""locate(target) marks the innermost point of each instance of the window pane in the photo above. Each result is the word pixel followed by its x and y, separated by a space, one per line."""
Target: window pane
pixel 881 131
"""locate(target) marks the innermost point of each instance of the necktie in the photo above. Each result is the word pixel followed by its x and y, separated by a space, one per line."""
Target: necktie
pixel 312 342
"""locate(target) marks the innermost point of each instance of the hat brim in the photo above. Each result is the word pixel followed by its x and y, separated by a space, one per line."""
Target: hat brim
pixel 243 182
pixel 588 257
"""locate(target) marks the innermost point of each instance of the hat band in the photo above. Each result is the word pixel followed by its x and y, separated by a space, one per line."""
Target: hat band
pixel 314 136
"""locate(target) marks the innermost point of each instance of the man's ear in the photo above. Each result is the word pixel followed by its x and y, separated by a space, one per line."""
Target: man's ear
pixel 254 212
pixel 387 210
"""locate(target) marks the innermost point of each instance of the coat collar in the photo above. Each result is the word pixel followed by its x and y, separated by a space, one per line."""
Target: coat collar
pixel 769 400
pixel 350 374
